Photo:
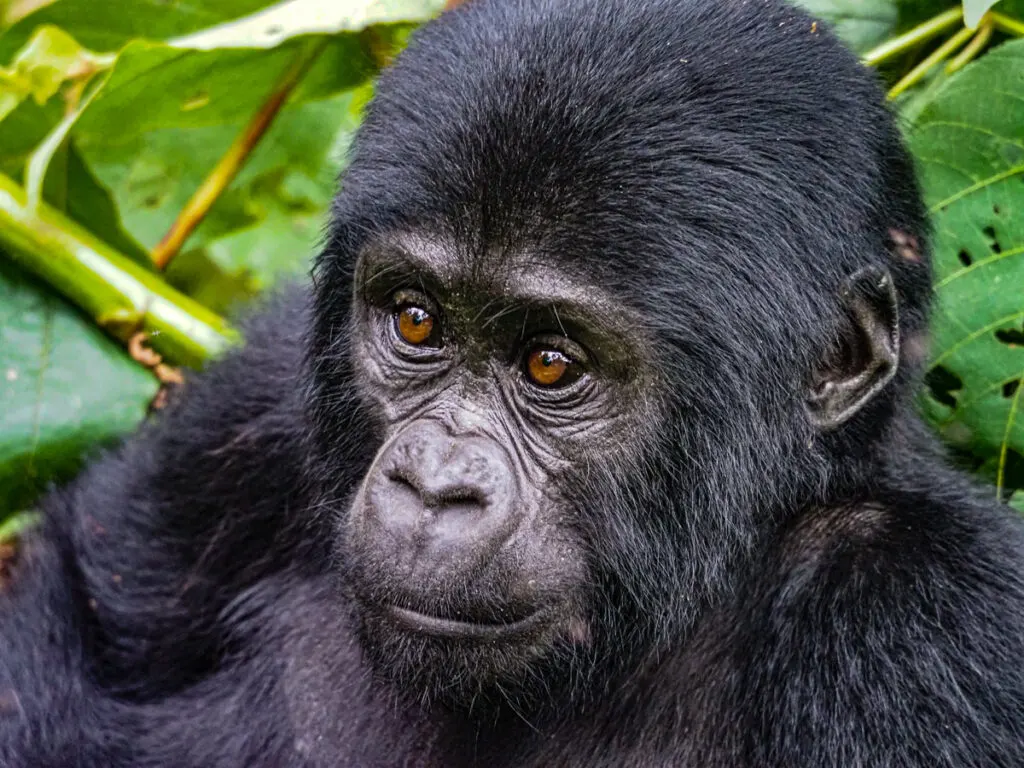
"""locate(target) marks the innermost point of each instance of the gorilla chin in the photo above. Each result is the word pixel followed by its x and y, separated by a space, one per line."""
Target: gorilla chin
pixel 462 654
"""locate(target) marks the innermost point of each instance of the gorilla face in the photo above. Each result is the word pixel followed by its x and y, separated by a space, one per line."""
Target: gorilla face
pixel 591 357
pixel 497 384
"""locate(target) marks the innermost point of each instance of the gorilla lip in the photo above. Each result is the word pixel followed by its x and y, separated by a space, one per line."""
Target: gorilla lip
pixel 453 628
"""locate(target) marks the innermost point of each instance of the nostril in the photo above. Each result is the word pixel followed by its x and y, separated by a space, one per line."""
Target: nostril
pixel 403 482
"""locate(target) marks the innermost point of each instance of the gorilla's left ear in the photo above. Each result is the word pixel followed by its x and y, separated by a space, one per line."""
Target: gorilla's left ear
pixel 869 353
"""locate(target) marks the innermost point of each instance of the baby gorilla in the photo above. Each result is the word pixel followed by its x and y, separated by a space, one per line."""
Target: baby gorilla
pixel 592 445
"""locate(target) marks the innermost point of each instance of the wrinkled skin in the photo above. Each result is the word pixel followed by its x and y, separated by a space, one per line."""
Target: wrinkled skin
pixel 592 443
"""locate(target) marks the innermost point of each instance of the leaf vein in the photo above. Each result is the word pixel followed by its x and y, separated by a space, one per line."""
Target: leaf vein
pixel 976 333
pixel 994 179
pixel 981 263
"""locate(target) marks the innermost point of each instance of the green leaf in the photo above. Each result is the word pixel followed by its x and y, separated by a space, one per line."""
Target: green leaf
pixel 22 131
pixel 914 12
pixel 969 144
pixel 187 107
pixel 975 9
pixel 861 24
pixel 293 204
pixel 70 185
pixel 89 203
pixel 1017 501
pixel 1014 8
pixel 64 386
pixel 39 69
pixel 152 165
pixel 107 25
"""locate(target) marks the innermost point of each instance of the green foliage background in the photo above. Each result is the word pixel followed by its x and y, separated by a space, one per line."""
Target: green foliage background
pixel 113 112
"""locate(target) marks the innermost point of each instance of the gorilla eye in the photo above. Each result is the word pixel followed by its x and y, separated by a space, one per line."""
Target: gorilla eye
pixel 552 368
pixel 416 326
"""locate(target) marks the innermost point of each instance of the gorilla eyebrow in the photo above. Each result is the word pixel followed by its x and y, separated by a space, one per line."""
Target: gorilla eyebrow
pixel 540 284
pixel 528 281
pixel 411 253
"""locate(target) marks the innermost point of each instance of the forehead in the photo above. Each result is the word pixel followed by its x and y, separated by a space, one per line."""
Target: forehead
pixel 572 124
pixel 454 268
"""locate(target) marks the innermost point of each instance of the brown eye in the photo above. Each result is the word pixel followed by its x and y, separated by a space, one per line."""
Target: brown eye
pixel 415 325
pixel 550 368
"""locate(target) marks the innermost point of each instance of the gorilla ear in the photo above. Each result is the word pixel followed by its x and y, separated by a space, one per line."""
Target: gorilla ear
pixel 869 353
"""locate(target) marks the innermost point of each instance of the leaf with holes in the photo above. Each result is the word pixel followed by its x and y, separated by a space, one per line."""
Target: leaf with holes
pixel 64 386
pixel 969 143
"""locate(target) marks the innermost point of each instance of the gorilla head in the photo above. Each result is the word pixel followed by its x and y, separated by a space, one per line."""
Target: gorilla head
pixel 614 298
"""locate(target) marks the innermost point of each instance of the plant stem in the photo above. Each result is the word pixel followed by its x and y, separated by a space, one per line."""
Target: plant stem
pixel 973 48
pixel 922 32
pixel 940 54
pixel 120 295
pixel 1006 24
pixel 234 159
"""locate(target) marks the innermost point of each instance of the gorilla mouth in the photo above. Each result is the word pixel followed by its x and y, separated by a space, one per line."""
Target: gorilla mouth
pixel 441 626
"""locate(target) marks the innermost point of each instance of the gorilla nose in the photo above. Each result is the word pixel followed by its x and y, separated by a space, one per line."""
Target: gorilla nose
pixel 440 495
pixel 445 490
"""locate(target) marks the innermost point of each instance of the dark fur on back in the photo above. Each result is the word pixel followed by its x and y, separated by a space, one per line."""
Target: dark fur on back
pixel 768 595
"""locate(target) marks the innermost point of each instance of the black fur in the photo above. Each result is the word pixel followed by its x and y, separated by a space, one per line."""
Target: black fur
pixel 762 593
